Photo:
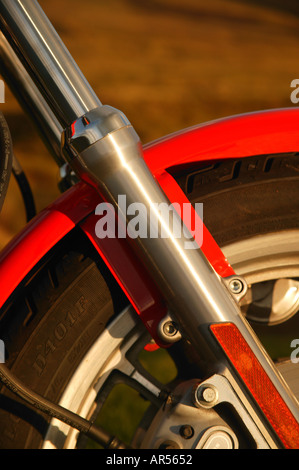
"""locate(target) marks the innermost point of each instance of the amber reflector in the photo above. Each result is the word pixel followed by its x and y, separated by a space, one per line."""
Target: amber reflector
pixel 258 383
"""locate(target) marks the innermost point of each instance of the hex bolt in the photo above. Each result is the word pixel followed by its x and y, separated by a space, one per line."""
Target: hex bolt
pixel 186 431
pixel 236 286
pixel 206 396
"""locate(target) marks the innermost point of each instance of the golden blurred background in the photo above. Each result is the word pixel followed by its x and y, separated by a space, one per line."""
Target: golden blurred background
pixel 167 64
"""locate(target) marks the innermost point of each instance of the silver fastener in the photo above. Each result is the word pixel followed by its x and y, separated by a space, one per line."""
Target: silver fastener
pixel 169 328
pixel 236 286
pixel 205 395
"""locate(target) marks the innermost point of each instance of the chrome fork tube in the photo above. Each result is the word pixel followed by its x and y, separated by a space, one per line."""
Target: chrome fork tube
pixel 31 100
pixel 104 150
pixel 47 60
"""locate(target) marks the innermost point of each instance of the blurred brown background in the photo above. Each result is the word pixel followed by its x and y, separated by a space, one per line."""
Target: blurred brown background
pixel 167 64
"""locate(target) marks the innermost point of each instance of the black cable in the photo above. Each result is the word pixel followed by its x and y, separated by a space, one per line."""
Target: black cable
pixel 8 164
pixel 25 188
pixel 56 411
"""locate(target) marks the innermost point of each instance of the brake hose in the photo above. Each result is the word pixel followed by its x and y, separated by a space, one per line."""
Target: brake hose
pixel 56 411
pixel 8 164
pixel 24 187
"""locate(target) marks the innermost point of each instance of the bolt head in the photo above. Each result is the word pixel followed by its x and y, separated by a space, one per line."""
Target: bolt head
pixel 169 328
pixel 206 396
pixel 236 286
pixel 209 395
pixel 186 431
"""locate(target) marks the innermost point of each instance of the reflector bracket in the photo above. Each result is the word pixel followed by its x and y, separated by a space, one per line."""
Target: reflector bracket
pixel 258 383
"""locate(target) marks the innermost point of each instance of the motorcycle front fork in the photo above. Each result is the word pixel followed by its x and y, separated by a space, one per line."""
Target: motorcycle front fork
pixel 105 151
pixel 101 146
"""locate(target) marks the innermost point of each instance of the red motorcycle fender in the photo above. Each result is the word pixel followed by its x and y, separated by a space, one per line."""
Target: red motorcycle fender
pixel 39 236
pixel 260 133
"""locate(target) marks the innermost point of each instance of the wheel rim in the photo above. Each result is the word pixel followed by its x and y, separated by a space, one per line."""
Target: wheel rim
pixel 262 260
pixel 115 350
pixel 258 259
pixel 270 265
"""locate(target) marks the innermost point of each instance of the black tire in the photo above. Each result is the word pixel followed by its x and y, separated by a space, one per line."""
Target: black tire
pixel 246 197
pixel 47 327
pixel 55 316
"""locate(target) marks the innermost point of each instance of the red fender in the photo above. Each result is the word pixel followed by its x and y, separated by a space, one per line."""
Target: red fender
pixel 266 132
pixel 259 133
